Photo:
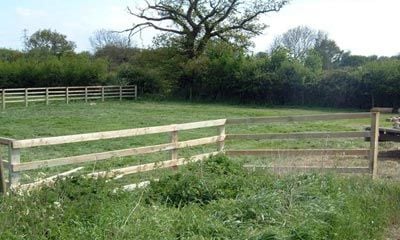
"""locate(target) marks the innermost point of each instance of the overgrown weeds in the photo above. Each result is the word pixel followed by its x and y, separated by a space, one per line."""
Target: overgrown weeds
pixel 213 199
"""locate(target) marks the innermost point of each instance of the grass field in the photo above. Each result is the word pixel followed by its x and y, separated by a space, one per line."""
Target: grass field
pixel 235 205
pixel 62 119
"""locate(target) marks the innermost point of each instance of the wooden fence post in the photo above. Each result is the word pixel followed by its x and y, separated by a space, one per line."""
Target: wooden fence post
pixel 373 153
pixel 221 134
pixel 120 93
pixel 174 140
pixel 3 99
pixel 135 92
pixel 14 157
pixel 102 93
pixel 26 97
pixel 67 95
pixel 86 94
pixel 3 187
pixel 47 96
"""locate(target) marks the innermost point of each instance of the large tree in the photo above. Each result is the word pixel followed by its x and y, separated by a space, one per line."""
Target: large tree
pixel 195 22
pixel 48 41
pixel 329 52
pixel 298 41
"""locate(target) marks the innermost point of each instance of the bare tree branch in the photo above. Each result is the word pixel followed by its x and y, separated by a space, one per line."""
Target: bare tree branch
pixel 196 22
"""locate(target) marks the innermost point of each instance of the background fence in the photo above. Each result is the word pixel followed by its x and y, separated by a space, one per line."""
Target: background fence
pixel 15 166
pixel 66 94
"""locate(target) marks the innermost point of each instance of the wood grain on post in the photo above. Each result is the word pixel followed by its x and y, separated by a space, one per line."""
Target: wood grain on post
pixel 3 187
pixel 67 95
pixel 174 142
pixel 373 154
pixel 86 94
pixel 14 156
pixel 47 96
pixel 26 97
pixel 135 92
pixel 221 133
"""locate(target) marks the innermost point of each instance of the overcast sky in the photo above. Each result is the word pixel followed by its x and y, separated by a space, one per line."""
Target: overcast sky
pixel 365 27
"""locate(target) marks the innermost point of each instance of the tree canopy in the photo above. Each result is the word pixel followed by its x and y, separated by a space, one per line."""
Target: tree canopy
pixel 48 41
pixel 194 23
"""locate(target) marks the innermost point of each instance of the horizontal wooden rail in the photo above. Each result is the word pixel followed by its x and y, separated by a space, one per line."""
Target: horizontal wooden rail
pixel 111 154
pixel 152 166
pixel 300 118
pixel 298 152
pixel 114 134
pixel 309 169
pixel 390 154
pixel 304 135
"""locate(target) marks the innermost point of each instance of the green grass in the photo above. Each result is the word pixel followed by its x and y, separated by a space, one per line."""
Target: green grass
pixel 215 199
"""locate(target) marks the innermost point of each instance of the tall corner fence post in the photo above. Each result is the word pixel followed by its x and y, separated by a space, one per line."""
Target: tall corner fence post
pixel 174 140
pixel 3 187
pixel 3 99
pixel 14 157
pixel 221 134
pixel 374 140
pixel 47 96
pixel 67 95
pixel 135 92
pixel 26 97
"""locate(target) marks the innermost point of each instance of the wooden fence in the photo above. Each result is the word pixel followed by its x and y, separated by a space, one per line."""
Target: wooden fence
pixel 65 94
pixel 371 153
pixel 15 166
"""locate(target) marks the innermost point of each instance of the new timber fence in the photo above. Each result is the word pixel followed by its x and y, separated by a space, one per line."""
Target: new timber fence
pixel 15 166
pixel 65 94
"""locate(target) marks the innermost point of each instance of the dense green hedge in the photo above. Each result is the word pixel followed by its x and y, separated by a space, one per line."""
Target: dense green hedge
pixel 221 74
pixel 52 71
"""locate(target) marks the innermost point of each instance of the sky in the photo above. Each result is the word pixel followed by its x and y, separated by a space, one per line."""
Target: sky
pixel 364 27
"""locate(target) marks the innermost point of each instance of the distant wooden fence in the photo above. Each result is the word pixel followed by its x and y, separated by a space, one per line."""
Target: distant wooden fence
pixel 15 166
pixel 65 94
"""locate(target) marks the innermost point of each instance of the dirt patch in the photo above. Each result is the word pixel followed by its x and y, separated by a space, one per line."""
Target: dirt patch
pixel 393 233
